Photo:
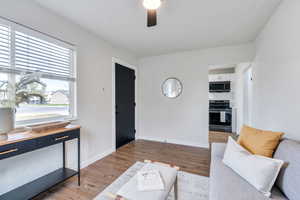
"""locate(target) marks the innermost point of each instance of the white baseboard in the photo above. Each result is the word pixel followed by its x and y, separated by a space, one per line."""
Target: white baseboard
pixel 96 158
pixel 174 141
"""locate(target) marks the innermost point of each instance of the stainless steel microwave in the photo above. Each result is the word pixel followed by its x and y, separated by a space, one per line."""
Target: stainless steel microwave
pixel 220 86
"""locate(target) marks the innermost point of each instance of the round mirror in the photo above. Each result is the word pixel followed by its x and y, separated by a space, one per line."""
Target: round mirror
pixel 172 88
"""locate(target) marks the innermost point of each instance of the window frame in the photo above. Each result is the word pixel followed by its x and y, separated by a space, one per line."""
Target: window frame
pixel 72 84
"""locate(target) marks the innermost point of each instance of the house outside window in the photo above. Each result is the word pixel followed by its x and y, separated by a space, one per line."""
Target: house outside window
pixel 24 51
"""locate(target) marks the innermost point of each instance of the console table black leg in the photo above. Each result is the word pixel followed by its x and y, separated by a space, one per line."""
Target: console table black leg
pixel 78 167
pixel 64 154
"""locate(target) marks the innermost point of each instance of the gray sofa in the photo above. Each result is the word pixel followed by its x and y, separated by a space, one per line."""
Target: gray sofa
pixel 225 184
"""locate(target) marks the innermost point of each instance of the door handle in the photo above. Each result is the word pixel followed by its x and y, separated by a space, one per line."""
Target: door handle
pixel 61 138
pixel 9 151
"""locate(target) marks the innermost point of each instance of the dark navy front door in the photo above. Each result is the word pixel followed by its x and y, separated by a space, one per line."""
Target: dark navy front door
pixel 125 105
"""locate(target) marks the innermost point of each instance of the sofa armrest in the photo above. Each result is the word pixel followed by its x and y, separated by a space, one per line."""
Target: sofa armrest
pixel 218 149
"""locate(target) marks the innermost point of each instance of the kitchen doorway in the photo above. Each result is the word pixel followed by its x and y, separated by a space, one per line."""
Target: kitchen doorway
pixel 221 98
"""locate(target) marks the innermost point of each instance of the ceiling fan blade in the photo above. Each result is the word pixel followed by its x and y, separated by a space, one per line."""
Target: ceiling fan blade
pixel 151 18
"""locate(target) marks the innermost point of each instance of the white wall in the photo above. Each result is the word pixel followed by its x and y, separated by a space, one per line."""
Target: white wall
pixel 276 71
pixel 183 120
pixel 94 94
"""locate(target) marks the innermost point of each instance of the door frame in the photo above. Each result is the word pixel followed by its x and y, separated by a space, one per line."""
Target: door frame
pixel 247 95
pixel 125 64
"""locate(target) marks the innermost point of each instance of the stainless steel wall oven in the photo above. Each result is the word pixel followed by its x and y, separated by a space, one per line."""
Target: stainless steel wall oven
pixel 220 116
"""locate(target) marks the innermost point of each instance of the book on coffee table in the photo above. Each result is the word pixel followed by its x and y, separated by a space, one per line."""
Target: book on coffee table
pixel 149 180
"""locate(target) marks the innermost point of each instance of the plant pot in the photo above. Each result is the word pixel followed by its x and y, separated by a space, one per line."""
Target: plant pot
pixel 7 122
pixel 3 136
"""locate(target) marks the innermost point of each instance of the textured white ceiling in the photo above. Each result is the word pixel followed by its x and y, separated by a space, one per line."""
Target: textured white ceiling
pixel 182 24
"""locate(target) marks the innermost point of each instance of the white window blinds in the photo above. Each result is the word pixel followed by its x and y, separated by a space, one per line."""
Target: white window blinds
pixel 23 51
pixel 4 46
pixel 33 54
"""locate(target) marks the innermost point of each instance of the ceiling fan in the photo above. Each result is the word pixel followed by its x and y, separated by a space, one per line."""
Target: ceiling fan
pixel 152 6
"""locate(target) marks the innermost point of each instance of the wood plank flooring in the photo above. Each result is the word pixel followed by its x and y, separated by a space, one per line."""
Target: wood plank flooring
pixel 220 137
pixel 96 177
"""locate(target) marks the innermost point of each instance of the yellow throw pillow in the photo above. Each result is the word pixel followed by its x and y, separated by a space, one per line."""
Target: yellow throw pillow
pixel 259 142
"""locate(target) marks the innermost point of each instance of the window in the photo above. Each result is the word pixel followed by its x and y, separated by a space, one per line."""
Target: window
pixel 5 46
pixel 24 51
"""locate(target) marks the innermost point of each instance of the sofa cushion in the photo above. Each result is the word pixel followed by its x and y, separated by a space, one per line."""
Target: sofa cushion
pixel 289 177
pixel 225 184
pixel 259 142
pixel 260 171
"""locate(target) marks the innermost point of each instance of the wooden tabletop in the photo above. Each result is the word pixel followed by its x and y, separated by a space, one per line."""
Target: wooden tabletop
pixel 28 135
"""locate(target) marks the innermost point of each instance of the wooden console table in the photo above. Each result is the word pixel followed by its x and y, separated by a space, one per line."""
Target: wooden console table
pixel 20 143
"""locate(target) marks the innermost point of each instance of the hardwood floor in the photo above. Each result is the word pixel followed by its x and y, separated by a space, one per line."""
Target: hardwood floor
pixel 96 177
pixel 220 137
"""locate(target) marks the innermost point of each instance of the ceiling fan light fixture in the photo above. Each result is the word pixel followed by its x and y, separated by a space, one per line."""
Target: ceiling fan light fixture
pixel 152 4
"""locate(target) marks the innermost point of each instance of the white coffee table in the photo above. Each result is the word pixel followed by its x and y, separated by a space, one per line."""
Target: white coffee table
pixel 129 191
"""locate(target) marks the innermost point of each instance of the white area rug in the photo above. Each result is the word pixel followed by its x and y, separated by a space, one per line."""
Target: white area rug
pixel 190 186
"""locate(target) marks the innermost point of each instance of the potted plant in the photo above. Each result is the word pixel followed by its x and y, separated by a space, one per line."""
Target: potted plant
pixel 12 95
